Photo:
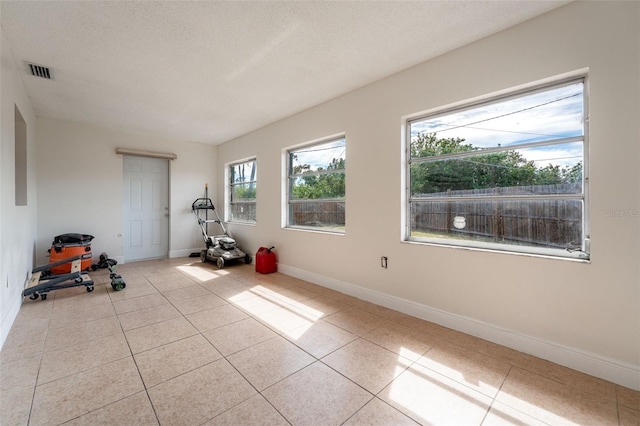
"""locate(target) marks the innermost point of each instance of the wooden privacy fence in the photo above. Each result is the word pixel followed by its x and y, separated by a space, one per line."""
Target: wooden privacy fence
pixel 544 222
pixel 245 212
pixel 317 213
pixel 307 213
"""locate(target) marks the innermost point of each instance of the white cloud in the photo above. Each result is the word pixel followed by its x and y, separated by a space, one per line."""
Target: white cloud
pixel 544 115
pixel 320 155
pixel 564 155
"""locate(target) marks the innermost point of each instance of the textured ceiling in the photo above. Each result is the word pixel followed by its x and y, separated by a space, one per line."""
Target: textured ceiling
pixel 210 71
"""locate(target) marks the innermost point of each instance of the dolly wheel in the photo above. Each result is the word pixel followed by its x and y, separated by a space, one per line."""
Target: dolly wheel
pixel 247 259
pixel 220 263
pixel 44 296
pixel 203 256
pixel 34 296
pixel 89 289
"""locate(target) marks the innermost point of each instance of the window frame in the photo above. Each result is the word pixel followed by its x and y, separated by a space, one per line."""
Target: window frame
pixel 289 178
pixel 583 253
pixel 230 186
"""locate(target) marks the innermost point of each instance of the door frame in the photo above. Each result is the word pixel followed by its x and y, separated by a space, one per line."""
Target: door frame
pixel 150 155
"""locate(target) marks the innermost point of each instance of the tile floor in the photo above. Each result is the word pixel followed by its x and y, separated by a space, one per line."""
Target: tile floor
pixel 188 344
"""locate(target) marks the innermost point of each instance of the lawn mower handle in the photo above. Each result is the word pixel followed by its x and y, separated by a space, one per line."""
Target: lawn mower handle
pixel 202 204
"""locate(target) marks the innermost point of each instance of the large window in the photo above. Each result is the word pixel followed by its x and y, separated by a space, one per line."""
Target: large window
pixel 316 186
pixel 508 173
pixel 242 191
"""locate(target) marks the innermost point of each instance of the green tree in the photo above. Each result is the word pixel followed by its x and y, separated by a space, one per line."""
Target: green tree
pixel 243 192
pixel 428 145
pixel 324 185
pixel 573 174
pixel 482 171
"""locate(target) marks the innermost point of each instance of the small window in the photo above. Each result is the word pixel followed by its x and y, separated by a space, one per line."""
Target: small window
pixel 316 186
pixel 506 174
pixel 242 191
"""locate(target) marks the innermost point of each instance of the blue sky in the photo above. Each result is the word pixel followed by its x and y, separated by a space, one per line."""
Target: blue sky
pixel 243 167
pixel 538 116
pixel 320 155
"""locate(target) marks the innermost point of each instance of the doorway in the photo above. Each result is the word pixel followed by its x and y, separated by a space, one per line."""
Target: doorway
pixel 145 208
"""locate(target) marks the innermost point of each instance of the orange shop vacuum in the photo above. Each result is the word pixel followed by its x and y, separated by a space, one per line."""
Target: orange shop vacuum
pixel 69 245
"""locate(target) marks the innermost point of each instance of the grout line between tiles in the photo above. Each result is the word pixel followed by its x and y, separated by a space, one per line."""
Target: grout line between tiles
pixel 493 400
pixel 135 362
pixel 35 384
pixel 513 364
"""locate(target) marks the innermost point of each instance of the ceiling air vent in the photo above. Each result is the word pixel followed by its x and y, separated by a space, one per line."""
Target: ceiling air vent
pixel 39 71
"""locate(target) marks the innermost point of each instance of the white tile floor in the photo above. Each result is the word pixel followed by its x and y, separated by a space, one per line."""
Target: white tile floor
pixel 188 344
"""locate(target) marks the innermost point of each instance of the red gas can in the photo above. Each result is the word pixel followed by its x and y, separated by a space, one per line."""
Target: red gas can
pixel 266 260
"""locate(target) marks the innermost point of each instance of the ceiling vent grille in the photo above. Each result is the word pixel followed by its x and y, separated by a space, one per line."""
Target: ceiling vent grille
pixel 39 71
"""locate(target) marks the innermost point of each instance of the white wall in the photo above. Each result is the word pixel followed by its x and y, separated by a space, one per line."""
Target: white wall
pixel 17 223
pixel 80 185
pixel 585 315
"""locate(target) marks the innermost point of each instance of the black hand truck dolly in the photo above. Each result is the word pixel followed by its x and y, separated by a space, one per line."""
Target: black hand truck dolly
pixel 42 281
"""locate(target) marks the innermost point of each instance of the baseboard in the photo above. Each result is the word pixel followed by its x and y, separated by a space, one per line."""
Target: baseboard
pixel 172 254
pixel 614 371
pixel 184 252
pixel 9 319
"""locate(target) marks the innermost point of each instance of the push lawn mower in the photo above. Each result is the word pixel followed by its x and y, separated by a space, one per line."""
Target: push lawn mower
pixel 221 249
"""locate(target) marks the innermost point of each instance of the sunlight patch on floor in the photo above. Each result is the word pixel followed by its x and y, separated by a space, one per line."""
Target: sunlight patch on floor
pixel 200 273
pixel 282 313
pixel 429 397
pixel 298 307
pixel 528 408
pixel 406 355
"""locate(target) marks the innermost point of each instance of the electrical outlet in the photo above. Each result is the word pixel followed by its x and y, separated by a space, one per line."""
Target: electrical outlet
pixel 383 262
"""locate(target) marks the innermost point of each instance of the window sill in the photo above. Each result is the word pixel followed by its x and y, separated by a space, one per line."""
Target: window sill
pixel 241 223
pixel 314 230
pixel 498 251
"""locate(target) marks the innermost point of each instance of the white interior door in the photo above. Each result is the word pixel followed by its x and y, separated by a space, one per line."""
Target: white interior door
pixel 145 208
